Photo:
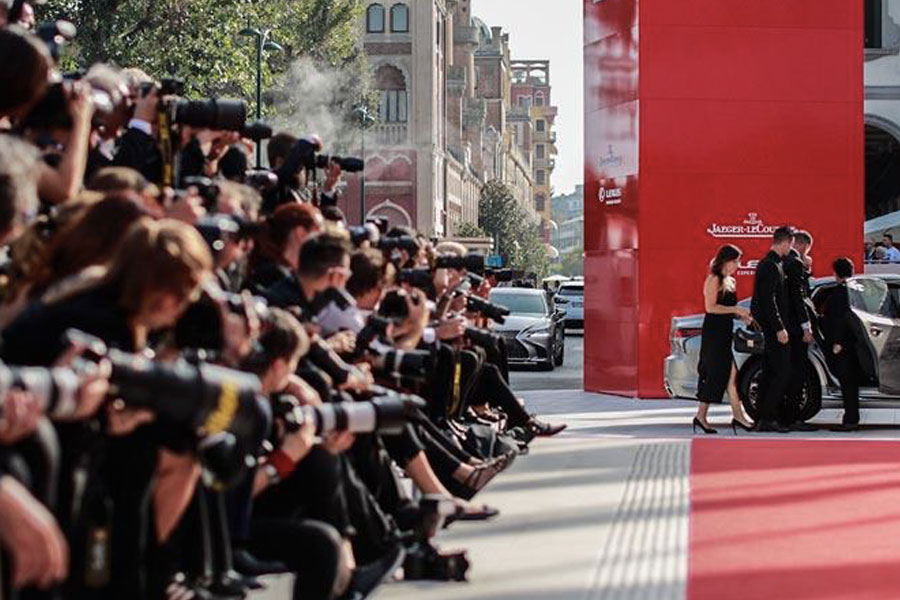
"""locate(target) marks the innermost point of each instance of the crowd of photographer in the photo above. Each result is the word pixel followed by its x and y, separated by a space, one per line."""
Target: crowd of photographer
pixel 208 375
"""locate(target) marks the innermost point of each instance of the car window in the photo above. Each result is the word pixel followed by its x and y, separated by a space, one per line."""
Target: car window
pixel 872 296
pixel 571 291
pixel 521 303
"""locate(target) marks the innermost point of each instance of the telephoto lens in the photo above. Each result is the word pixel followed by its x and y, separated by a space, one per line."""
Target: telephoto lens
pixel 55 389
pixel 417 278
pixel 470 262
pixel 480 337
pixel 347 164
pixel 492 311
pixel 412 364
pixel 211 113
pixel 401 242
pixel 385 415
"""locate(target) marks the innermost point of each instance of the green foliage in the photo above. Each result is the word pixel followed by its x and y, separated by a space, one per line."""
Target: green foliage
pixel 519 241
pixel 571 264
pixel 470 230
pixel 199 40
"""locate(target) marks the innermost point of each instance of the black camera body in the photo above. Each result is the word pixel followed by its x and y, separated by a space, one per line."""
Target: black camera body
pixel 474 263
pixel 422 279
pixel 495 312
pixel 361 234
pixel 400 242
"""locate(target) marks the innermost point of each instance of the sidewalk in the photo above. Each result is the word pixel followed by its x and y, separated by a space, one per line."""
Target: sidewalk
pixel 600 511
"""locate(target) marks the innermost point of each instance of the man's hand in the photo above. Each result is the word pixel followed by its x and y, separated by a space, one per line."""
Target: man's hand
pixel 39 552
pixel 298 444
pixel 332 177
pixel 451 329
pixel 342 342
pixel 782 337
pixel 338 443
pixel 360 378
pixel 836 349
pixel 808 336
pixel 81 109
pixel 302 391
pixel 187 208
pixel 122 421
pixel 20 416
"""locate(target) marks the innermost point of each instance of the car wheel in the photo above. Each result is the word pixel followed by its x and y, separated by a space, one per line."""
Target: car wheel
pixel 748 390
pixel 550 363
pixel 748 387
pixel 811 403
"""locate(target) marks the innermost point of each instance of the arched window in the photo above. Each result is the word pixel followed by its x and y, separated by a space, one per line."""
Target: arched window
pixel 400 18
pixel 539 203
pixel 539 98
pixel 375 18
pixel 391 84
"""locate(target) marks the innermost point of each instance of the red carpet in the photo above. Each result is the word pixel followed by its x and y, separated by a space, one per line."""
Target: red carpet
pixel 801 519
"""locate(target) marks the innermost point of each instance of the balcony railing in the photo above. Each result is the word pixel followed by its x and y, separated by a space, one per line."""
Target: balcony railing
pixel 389 134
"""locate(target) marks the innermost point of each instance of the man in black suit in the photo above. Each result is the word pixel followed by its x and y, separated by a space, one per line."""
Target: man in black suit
pixel 770 309
pixel 840 345
pixel 797 270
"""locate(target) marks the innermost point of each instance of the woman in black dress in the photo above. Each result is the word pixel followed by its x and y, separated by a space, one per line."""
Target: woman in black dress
pixel 716 369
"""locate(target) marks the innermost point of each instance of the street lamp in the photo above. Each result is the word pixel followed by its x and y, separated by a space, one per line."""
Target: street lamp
pixel 262 43
pixel 366 120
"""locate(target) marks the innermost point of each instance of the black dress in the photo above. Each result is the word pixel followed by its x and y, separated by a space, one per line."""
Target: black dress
pixel 716 356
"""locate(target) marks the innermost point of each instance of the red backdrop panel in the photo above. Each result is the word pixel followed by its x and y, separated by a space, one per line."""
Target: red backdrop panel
pixel 707 126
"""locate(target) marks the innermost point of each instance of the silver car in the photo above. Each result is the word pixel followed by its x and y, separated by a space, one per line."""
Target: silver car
pixel 534 329
pixel 875 300
pixel 571 298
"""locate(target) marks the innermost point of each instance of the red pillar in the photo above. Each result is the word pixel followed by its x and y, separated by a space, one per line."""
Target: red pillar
pixel 709 122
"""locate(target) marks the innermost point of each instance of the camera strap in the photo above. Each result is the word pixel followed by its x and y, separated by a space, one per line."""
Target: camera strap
pixel 166 149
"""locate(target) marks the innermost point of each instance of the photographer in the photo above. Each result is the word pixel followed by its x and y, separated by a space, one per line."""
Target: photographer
pixel 291 159
pixel 157 269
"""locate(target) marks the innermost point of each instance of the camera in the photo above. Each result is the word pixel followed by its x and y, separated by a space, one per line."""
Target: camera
pixel 471 262
pixel 380 222
pixel 364 233
pixel 411 364
pixel 417 278
pixel 402 242
pixel 263 180
pixel 55 389
pixel 480 337
pixel 492 311
pixel 385 414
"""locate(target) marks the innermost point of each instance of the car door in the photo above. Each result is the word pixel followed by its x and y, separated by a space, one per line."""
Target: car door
pixel 879 316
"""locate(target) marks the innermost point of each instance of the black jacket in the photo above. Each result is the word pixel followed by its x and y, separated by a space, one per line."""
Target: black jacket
pixel 797 281
pixel 770 300
pixel 838 321
pixel 139 151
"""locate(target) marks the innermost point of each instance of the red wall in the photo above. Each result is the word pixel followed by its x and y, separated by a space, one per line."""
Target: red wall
pixel 709 122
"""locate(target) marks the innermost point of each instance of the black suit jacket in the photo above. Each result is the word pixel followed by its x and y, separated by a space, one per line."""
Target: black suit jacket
pixel 139 151
pixel 838 321
pixel 797 282
pixel 770 301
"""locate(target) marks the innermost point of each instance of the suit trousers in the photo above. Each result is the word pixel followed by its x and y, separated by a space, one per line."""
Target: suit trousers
pixel 775 379
pixel 790 408
pixel 850 374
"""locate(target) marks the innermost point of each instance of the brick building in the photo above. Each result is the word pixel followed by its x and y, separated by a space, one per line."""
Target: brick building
pixel 445 125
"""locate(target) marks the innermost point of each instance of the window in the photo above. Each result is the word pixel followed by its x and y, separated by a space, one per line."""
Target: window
pixel 539 99
pixel 539 203
pixel 539 151
pixel 375 18
pixel 541 125
pixel 529 304
pixel 871 296
pixel 524 100
pixel 394 100
pixel 400 18
pixel 541 177
pixel 873 23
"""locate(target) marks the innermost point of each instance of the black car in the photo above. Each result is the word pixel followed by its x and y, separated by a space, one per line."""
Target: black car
pixel 534 330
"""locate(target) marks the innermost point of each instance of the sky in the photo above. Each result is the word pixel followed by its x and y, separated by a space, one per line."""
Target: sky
pixel 542 30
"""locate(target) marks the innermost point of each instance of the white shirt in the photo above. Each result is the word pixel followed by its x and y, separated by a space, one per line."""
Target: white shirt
pixel 892 254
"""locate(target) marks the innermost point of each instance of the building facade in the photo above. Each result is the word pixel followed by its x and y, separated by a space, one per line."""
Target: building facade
pixel 532 100
pixel 444 83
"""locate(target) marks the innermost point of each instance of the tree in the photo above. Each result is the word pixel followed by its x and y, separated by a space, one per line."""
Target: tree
pixel 518 240
pixel 571 263
pixel 199 41
pixel 470 230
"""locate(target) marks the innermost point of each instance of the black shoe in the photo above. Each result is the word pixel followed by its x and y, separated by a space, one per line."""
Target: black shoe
pixel 845 427
pixel 770 427
pixel 247 564
pixel 541 429
pixel 706 430
pixel 735 424
pixel 801 426
pixel 370 576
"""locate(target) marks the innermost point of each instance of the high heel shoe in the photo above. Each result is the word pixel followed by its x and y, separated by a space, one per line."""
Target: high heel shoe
pixel 704 428
pixel 735 424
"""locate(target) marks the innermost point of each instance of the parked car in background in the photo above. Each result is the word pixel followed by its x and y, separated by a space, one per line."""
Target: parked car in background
pixel 534 329
pixel 875 300
pixel 571 298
